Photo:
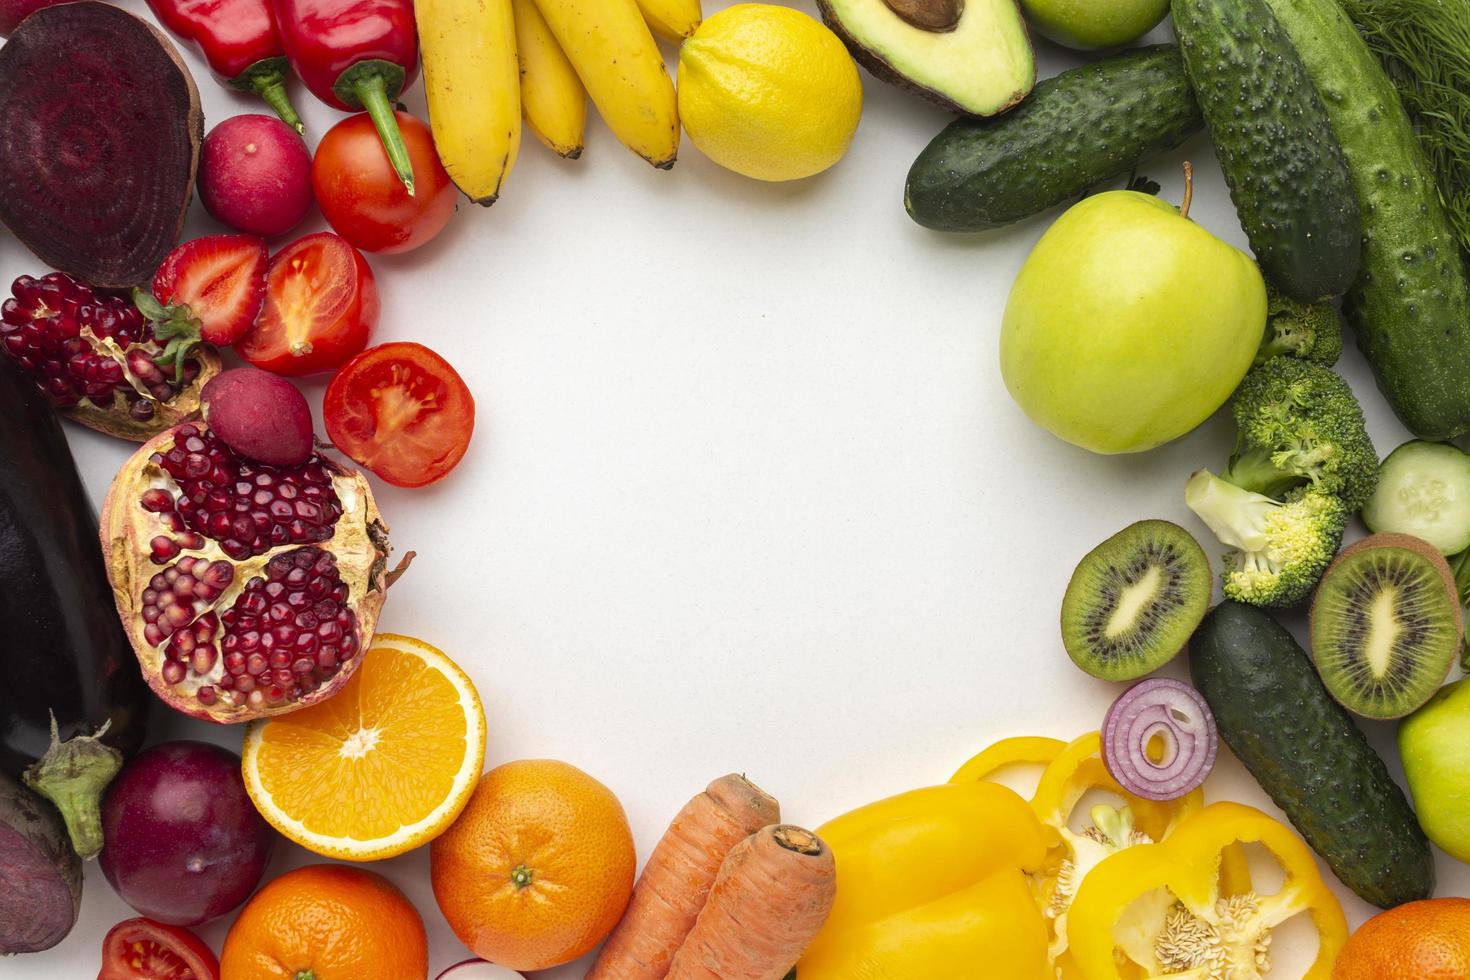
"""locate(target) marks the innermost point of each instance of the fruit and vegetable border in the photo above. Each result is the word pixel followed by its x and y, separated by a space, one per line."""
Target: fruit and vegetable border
pixel 238 568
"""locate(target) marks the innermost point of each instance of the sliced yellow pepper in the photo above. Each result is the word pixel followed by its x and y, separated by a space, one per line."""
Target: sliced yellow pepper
pixel 1023 750
pixel 933 884
pixel 1164 910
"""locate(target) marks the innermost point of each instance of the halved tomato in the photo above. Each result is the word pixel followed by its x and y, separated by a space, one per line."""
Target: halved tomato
pixel 321 304
pixel 401 411
pixel 142 949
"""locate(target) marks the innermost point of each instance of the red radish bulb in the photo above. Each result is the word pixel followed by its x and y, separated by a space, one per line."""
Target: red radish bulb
pixel 12 12
pixel 184 844
pixel 479 970
pixel 259 415
pixel 255 175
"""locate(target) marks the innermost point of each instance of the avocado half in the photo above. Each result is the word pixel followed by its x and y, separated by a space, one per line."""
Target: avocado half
pixel 970 56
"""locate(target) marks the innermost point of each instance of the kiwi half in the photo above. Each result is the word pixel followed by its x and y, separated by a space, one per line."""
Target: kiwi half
pixel 1134 600
pixel 1386 625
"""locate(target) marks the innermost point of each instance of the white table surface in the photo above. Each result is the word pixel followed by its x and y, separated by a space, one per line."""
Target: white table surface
pixel 746 491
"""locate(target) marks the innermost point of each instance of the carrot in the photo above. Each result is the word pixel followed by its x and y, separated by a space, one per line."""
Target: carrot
pixel 768 903
pixel 679 874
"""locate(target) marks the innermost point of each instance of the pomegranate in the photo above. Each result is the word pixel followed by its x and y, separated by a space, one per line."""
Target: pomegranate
pixel 247 589
pixel 97 358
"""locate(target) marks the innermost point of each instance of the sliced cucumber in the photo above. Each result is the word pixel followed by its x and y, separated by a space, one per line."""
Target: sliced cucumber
pixel 1424 490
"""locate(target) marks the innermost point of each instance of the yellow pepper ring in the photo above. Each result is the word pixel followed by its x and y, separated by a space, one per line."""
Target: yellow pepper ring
pixel 1024 750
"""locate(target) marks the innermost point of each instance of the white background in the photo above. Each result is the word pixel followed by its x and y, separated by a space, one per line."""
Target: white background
pixel 746 491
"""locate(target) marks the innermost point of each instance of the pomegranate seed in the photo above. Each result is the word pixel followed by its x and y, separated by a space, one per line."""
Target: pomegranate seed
pixel 202 661
pixel 177 615
pixel 162 549
pixel 191 541
pixel 172 521
pixel 256 663
pixel 64 335
pixel 154 634
pixel 235 663
pixel 158 501
pixel 206 694
pixel 174 672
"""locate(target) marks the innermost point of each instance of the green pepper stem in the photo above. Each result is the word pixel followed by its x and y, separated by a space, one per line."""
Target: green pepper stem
pixel 73 775
pixel 372 92
pixel 271 86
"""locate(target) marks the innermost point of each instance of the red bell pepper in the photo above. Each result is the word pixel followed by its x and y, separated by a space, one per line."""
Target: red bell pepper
pixel 239 40
pixel 356 55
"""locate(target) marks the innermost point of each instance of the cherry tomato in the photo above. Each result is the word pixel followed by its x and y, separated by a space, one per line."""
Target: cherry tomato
pixel 401 411
pixel 363 199
pixel 141 949
pixel 321 304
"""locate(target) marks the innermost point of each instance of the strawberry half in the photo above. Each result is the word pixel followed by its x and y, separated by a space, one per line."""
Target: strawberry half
pixel 216 284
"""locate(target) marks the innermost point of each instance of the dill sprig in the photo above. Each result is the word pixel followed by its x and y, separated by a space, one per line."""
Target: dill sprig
pixel 1425 47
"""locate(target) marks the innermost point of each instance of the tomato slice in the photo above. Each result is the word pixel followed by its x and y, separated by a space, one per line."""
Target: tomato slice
pixel 402 411
pixel 142 949
pixel 321 304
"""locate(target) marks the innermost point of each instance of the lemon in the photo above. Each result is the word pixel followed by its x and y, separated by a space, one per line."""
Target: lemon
pixel 768 92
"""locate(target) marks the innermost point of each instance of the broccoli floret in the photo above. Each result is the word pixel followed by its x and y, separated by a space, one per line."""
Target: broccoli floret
pixel 1281 548
pixel 1309 332
pixel 1297 424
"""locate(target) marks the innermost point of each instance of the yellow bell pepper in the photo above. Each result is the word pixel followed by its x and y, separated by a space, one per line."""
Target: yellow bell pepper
pixel 933 884
pixel 1165 910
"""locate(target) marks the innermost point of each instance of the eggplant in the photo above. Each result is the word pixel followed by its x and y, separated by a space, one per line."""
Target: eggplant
pixel 72 701
pixel 41 872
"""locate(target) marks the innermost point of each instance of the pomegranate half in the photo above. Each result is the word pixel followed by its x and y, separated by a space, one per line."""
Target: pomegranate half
pixel 247 589
pixel 98 360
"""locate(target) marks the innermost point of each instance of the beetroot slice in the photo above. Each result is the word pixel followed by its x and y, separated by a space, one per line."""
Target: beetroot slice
pixel 99 141
pixel 41 873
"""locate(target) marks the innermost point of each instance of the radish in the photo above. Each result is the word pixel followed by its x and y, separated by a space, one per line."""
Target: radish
pixel 255 175
pixel 479 970
pixel 259 415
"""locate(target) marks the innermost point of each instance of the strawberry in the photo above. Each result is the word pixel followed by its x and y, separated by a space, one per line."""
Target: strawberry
pixel 210 288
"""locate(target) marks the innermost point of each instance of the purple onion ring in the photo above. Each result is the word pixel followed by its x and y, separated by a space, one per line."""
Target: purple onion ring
pixel 1174 712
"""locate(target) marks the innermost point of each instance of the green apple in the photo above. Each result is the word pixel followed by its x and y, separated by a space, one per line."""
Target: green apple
pixel 1092 24
pixel 1129 324
pixel 1435 744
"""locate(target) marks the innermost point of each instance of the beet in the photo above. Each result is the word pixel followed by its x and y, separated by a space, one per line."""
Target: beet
pixel 255 175
pixel 12 12
pixel 184 844
pixel 259 415
pixel 42 875
pixel 99 141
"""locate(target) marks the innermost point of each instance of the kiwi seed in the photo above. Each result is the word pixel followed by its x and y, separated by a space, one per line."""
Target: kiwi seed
pixel 1134 600
pixel 1386 625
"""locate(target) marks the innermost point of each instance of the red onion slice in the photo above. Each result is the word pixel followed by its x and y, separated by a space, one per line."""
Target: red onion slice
pixel 1173 712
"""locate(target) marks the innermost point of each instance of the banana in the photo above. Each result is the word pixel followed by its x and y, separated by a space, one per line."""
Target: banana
pixel 472 80
pixel 552 96
pixel 672 20
pixel 615 55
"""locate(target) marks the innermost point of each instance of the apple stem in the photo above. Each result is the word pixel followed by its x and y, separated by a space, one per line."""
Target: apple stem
pixel 1188 190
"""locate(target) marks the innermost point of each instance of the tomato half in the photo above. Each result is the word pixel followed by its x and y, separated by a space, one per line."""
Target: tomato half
pixel 401 411
pixel 363 199
pixel 141 949
pixel 321 304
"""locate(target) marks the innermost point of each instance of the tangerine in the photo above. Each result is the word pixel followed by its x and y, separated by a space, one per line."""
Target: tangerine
pixel 1428 940
pixel 327 922
pixel 538 868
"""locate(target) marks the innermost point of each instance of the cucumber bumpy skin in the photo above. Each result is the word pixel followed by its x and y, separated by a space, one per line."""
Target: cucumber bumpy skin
pixel 1306 752
pixel 1410 305
pixel 1287 175
pixel 1082 127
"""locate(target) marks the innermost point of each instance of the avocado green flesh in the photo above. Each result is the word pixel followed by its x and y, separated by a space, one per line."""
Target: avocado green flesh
pixel 983 66
pixel 1308 755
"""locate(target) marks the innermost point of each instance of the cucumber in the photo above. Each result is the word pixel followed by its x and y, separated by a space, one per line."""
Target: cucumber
pixel 1305 751
pixel 1076 130
pixel 1287 175
pixel 1424 490
pixel 1410 305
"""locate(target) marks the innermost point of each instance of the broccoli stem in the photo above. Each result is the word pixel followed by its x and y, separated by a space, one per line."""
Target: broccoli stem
pixel 1253 470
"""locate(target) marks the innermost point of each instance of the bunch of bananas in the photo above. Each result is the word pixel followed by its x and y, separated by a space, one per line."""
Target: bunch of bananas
pixel 487 62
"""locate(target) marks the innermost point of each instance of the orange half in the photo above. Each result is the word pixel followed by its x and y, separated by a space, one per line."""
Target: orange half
pixel 384 766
